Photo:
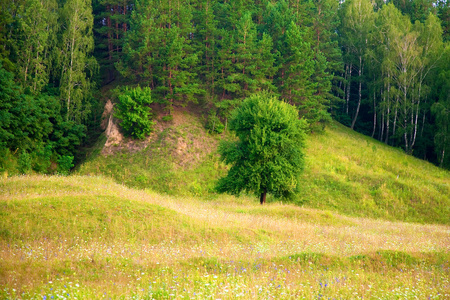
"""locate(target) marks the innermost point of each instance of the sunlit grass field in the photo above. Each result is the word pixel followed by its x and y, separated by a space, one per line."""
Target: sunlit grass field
pixel 87 237
pixel 345 172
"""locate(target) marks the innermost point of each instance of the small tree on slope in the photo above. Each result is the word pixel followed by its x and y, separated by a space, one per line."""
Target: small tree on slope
pixel 267 156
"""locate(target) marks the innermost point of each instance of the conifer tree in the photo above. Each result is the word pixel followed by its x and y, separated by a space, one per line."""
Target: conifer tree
pixel 159 53
pixel 111 23
pixel 245 49
pixel 298 88
pixel 328 57
pixel 205 43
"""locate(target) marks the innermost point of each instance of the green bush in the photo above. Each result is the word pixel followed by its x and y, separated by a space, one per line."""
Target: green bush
pixel 213 123
pixel 8 162
pixel 42 159
pixel 65 163
pixel 24 162
pixel 133 111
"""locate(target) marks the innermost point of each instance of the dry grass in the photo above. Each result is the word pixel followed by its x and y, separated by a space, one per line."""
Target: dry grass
pixel 140 244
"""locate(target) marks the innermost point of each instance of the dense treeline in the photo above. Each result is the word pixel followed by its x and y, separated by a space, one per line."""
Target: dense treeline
pixel 396 70
pixel 382 69
pixel 46 82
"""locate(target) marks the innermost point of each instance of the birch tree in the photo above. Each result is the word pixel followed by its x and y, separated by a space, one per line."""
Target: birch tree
pixel 34 36
pixel 74 57
pixel 357 23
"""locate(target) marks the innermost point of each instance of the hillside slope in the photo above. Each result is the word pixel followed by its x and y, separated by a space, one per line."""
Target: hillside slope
pixel 82 237
pixel 345 171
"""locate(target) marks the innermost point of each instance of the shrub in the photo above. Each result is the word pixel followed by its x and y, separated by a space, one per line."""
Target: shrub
pixel 65 164
pixel 133 111
pixel 42 159
pixel 213 123
pixel 24 162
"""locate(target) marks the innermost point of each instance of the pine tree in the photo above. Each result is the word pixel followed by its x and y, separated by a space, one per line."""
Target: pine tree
pixel 158 51
pixel 205 44
pixel 298 67
pixel 265 68
pixel 329 63
pixel 245 48
pixel 111 23
pixel 140 45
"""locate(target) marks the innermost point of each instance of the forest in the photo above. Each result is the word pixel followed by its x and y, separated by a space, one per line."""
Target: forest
pixel 380 68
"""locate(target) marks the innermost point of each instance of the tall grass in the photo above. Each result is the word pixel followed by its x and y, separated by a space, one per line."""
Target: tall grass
pixel 89 237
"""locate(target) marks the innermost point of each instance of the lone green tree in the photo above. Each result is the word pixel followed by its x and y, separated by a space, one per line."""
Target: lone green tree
pixel 267 156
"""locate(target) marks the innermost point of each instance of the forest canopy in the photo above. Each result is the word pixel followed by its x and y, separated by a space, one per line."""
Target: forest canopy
pixel 381 68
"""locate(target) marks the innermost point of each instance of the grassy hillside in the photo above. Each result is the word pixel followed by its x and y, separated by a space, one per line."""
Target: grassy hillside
pixel 87 237
pixel 345 172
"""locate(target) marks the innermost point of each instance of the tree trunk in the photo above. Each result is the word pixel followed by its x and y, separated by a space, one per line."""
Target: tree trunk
pixel 359 93
pixel 70 73
pixel 388 108
pixel 416 121
pixel 262 199
pixel 395 118
pixel 348 87
pixel 374 113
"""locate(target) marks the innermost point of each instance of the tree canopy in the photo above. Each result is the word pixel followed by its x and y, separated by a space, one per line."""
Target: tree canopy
pixel 267 154
pixel 379 67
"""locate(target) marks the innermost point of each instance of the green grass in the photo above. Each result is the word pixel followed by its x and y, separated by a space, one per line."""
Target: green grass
pixel 179 160
pixel 356 175
pixel 345 172
pixel 88 237
pixel 369 222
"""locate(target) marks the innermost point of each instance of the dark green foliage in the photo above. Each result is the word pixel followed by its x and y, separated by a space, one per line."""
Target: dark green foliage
pixel 267 156
pixel 67 136
pixel 25 120
pixel 9 93
pixel 133 111
pixel 65 164
pixel 46 89
pixel 444 15
pixel 33 124
pixel 158 52
pixel 213 123
pixel 111 23
pixel 24 162
pixel 216 53
pixel 42 159
pixel 441 111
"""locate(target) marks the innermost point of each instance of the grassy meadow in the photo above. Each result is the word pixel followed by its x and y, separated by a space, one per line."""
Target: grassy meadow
pixel 87 237
pixel 346 172
pixel 144 222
